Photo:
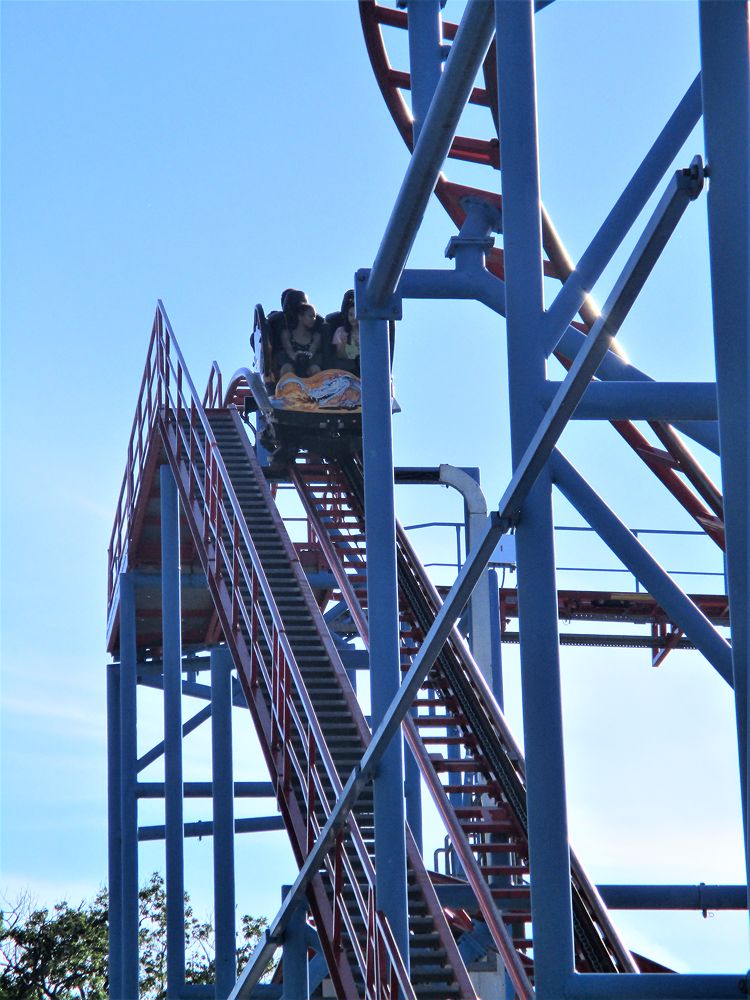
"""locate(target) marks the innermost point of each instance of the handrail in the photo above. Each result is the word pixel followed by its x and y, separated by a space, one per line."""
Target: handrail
pixel 485 702
pixel 489 705
pixel 213 396
pixel 169 397
pixel 240 380
pixel 143 423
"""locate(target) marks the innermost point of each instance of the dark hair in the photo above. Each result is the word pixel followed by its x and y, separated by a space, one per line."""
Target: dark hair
pixel 292 301
pixel 292 296
pixel 346 304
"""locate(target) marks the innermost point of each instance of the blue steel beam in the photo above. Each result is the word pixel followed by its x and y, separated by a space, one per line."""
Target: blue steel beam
pixel 114 824
pixel 454 603
pixel 626 210
pixel 668 401
pixel 683 188
pixel 156 751
pixel 205 828
pixel 549 855
pixel 451 95
pixel 615 369
pixel 172 705
pixel 725 65
pixel 192 689
pixel 459 895
pixel 620 539
pixel 223 821
pixel 204 790
pixel 439 283
pixel 425 57
pixel 129 802
pixel 296 985
pixel 674 897
pixel 654 986
pixel 383 619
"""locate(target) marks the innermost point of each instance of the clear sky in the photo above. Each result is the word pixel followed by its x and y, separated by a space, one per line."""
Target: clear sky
pixel 212 155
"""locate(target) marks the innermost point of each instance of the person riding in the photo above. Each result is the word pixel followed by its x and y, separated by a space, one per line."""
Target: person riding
pixel 300 336
pixel 346 337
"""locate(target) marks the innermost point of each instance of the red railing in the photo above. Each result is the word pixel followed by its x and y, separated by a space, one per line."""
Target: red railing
pixel 213 396
pixel 140 435
pixel 169 404
pixel 335 525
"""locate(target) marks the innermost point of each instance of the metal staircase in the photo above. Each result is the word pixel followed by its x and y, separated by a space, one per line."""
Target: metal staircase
pixel 309 725
pixel 321 696
pixel 480 795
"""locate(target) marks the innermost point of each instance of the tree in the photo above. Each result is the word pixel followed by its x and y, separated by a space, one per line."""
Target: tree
pixel 62 955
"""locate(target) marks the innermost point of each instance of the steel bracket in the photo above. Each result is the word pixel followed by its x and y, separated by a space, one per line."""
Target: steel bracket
pixel 390 309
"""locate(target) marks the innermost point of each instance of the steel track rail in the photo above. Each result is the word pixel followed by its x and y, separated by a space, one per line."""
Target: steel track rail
pixel 334 504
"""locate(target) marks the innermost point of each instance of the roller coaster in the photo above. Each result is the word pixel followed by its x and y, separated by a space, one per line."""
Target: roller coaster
pixel 204 576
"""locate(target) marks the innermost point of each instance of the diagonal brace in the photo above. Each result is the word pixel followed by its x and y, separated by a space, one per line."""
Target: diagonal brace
pixel 187 727
pixel 626 210
pixel 360 776
pixel 436 135
pixel 681 610
pixel 683 188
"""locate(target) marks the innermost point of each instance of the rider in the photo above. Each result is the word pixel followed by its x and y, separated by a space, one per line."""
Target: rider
pixel 346 337
pixel 301 336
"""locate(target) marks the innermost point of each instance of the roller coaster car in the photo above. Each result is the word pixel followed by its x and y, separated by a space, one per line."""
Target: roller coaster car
pixel 321 413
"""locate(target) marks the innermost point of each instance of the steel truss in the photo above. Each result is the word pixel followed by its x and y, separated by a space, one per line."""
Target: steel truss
pixel 340 797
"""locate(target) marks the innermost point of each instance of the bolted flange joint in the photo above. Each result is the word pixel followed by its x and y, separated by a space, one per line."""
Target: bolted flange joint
pixel 390 309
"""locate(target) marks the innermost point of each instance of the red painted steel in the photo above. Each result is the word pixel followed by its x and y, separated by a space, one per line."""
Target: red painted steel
pixel 557 263
pixel 170 408
pixel 483 812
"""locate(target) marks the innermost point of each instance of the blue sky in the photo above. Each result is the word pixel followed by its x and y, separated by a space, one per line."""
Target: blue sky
pixel 212 155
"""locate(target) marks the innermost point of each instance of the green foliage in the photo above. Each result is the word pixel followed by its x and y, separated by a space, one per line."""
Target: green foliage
pixel 62 954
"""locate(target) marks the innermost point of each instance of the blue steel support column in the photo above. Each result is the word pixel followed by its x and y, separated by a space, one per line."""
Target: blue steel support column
pixel 496 651
pixel 537 595
pixel 413 794
pixel 424 57
pixel 223 819
pixel 128 781
pixel 172 667
pixel 114 822
pixel 295 979
pixel 382 597
pixel 726 116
